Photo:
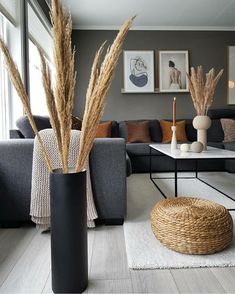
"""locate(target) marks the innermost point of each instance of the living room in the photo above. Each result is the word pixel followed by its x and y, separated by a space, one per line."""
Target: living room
pixel 157 210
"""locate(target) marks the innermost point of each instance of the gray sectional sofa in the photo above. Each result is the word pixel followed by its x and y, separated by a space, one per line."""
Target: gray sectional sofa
pixel 111 160
pixel 108 177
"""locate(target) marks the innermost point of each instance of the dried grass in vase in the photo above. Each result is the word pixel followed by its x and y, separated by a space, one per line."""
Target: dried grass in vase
pixel 60 97
pixel 18 84
pixel 202 93
pixel 100 81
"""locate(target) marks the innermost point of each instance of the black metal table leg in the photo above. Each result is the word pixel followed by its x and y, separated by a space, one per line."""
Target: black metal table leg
pixel 150 173
pixel 150 163
pixel 152 178
pixel 176 192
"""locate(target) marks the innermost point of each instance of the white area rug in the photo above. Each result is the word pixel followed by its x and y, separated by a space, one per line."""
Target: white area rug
pixel 144 251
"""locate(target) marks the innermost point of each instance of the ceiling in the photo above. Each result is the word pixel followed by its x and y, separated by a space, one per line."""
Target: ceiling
pixel 153 14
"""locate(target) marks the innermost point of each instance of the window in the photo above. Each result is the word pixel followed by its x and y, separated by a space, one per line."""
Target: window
pixel 4 93
pixel 37 30
pixel 37 95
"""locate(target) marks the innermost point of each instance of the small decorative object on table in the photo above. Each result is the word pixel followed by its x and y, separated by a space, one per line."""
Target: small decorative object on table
pixel 184 147
pixel 202 95
pixel 197 147
pixel 173 128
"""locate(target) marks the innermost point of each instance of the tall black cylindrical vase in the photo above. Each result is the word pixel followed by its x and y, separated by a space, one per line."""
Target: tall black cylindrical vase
pixel 69 261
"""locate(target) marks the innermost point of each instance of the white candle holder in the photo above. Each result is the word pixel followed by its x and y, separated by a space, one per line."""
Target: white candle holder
pixel 173 138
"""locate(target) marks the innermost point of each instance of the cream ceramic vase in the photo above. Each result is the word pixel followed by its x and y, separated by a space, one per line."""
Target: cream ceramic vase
pixel 202 123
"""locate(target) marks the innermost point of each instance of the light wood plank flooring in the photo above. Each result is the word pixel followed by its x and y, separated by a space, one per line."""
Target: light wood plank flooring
pixel 25 267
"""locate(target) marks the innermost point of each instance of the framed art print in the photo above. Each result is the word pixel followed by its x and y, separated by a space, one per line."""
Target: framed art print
pixel 173 66
pixel 138 71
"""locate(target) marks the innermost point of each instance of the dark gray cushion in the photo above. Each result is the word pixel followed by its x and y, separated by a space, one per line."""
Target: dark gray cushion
pixel 215 133
pixel 42 122
pixel 154 129
pixel 221 113
pixel 190 131
pixel 114 129
pixel 137 149
pixel 122 130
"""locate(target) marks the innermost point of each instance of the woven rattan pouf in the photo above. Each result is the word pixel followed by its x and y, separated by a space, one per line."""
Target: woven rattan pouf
pixel 192 225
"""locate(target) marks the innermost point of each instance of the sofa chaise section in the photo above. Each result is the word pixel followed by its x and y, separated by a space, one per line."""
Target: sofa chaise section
pixel 139 152
pixel 108 174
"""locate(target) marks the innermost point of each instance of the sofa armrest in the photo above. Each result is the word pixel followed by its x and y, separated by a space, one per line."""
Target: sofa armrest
pixel 16 134
pixel 15 179
pixel 108 175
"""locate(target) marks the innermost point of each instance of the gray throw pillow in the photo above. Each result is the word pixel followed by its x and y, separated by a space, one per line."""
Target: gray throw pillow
pixel 42 122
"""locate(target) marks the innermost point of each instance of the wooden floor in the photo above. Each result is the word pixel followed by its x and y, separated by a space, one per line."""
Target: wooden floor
pixel 25 267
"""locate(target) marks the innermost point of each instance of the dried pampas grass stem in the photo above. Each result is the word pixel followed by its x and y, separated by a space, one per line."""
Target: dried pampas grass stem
pixel 99 84
pixel 51 104
pixel 65 78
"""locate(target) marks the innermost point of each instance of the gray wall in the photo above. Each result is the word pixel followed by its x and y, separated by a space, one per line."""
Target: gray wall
pixel 208 49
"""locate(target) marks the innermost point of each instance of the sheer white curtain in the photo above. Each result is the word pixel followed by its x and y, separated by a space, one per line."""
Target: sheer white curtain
pixel 4 94
pixel 39 36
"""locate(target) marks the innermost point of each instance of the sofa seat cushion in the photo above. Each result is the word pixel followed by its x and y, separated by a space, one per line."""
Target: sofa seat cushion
pixel 229 145
pixel 140 149
pixel 216 144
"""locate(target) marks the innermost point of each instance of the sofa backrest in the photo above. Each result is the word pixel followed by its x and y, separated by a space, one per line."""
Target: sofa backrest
pixel 214 134
pixel 221 113
pixel 43 122
pixel 22 123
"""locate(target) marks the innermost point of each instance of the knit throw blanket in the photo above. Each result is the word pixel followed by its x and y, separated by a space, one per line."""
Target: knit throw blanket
pixel 40 191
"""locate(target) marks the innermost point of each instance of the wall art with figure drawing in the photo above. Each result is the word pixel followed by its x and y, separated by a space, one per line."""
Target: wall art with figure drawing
pixel 138 71
pixel 173 66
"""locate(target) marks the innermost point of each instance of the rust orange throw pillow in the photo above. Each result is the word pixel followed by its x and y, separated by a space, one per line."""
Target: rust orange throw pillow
pixel 138 132
pixel 104 130
pixel 167 132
